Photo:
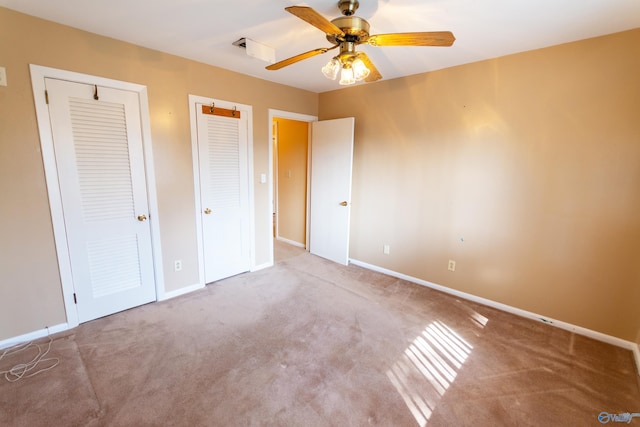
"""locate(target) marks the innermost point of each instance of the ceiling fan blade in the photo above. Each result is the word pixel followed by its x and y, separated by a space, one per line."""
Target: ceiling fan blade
pixel 434 38
pixel 312 17
pixel 374 74
pixel 300 57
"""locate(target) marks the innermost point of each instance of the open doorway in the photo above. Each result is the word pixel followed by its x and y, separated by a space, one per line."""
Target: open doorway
pixel 328 186
pixel 289 154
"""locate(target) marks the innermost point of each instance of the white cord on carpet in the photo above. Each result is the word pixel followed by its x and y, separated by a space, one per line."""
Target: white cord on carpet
pixel 24 370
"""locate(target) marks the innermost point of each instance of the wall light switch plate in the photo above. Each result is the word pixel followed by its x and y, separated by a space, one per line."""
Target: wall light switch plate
pixel 3 76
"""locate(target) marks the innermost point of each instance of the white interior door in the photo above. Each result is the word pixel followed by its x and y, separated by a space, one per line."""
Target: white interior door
pixel 224 192
pixel 331 167
pixel 100 163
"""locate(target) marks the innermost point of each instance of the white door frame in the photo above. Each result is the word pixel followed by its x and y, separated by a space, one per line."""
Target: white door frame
pixel 301 118
pixel 38 75
pixel 193 112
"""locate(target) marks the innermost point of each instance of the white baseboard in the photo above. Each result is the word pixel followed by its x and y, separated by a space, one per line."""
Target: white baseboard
pixel 181 291
pixel 31 336
pixel 10 342
pixel 635 348
pixel 262 266
pixel 291 242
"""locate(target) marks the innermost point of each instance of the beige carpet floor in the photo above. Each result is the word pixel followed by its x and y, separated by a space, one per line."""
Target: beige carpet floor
pixel 312 343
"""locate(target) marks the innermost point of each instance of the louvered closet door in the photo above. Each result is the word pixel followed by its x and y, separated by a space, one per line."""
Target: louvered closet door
pixel 98 147
pixel 222 150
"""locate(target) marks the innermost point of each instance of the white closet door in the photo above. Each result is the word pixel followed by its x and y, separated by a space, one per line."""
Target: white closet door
pixel 99 157
pixel 224 192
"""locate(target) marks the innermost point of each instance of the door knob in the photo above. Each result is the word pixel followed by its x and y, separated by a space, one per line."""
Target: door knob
pixel 207 211
pixel 344 203
pixel 142 217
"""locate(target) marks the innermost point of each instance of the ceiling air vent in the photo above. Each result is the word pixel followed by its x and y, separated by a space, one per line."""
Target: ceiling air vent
pixel 256 50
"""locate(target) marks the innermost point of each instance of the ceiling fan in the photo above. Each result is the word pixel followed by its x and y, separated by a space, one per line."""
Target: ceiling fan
pixel 347 32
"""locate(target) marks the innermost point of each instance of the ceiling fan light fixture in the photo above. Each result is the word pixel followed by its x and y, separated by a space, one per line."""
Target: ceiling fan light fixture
pixel 360 71
pixel 346 76
pixel 349 31
pixel 330 70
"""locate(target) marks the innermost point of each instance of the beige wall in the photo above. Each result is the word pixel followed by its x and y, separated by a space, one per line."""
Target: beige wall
pixel 30 290
pixel 525 170
pixel 292 150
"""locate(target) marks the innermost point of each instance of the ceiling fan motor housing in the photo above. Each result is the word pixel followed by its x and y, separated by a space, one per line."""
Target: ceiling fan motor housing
pixel 356 30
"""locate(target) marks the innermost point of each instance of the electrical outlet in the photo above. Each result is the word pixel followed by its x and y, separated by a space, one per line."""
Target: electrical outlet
pixel 452 265
pixel 3 76
pixel 385 249
pixel 177 265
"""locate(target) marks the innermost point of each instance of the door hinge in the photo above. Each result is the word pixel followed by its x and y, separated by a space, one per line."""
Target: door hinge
pixel 46 96
pixel 75 300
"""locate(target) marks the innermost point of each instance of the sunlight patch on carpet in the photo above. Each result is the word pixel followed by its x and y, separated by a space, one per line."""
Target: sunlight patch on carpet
pixel 428 367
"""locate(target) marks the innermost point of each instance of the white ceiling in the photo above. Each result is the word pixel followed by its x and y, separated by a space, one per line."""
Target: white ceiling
pixel 204 30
